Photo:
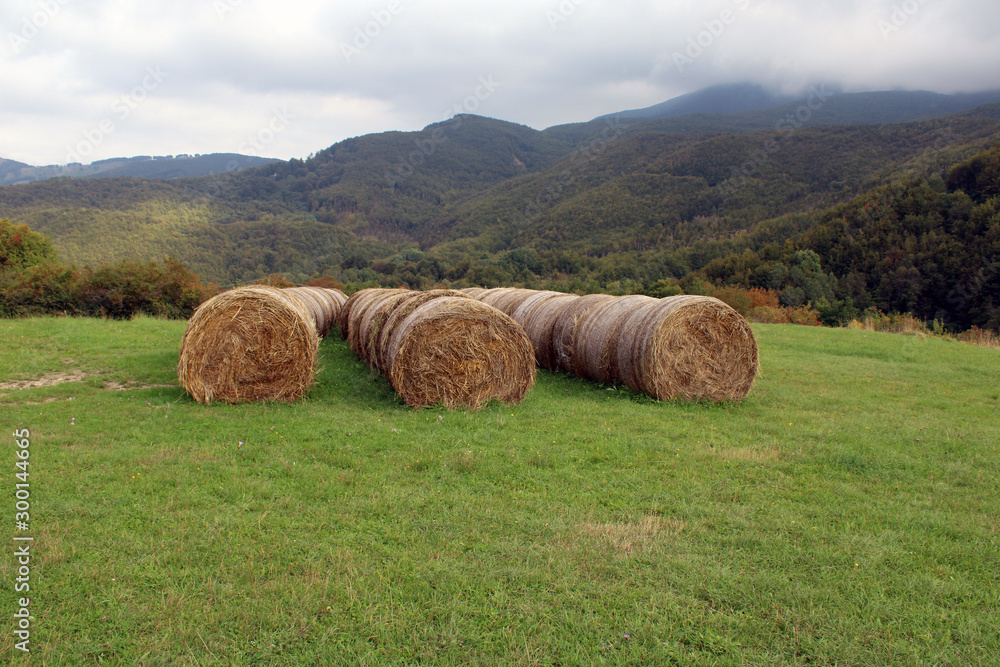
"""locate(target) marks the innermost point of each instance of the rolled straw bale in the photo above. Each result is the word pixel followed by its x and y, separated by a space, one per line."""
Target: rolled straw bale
pixel 692 347
pixel 490 296
pixel 368 320
pixel 458 351
pixel 526 304
pixel 357 300
pixel 564 329
pixel 336 297
pixel 401 310
pixel 597 336
pixel 506 300
pixel 538 317
pixel 473 291
pixel 315 309
pixel 329 305
pixel 248 344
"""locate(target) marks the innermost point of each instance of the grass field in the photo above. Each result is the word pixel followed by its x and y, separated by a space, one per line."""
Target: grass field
pixel 846 513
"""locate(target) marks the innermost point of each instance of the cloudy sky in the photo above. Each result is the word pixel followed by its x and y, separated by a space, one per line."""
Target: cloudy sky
pixel 82 80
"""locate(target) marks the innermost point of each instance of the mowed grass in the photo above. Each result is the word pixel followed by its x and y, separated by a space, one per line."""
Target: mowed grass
pixel 845 513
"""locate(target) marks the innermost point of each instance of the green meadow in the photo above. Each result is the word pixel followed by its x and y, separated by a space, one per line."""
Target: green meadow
pixel 845 513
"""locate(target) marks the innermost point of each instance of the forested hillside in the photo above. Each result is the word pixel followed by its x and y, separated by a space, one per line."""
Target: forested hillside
pixel 841 216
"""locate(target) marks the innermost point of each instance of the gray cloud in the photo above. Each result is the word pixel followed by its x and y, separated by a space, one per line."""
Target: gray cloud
pixel 349 69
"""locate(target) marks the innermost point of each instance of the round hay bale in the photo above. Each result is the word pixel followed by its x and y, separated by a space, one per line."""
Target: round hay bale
pixel 525 305
pixel 317 311
pixel 474 292
pixel 506 300
pixel 369 320
pixel 538 317
pixel 329 306
pixel 692 347
pixel 401 310
pixel 357 301
pixel 336 297
pixel 597 336
pixel 458 351
pixel 564 329
pixel 490 296
pixel 248 344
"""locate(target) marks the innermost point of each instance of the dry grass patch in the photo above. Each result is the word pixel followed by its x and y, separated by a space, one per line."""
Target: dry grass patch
pixel 631 537
pixel 759 454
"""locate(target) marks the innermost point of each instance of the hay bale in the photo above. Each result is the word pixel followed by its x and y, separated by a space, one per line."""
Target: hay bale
pixel 336 297
pixel 474 292
pixel 316 310
pixel 457 351
pixel 525 305
pixel 401 310
pixel 328 303
pixel 538 317
pixel 597 336
pixel 691 347
pixel 506 299
pixel 249 344
pixel 564 329
pixel 357 301
pixel 368 320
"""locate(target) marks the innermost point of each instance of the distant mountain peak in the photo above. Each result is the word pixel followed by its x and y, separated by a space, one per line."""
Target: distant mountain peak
pixel 726 98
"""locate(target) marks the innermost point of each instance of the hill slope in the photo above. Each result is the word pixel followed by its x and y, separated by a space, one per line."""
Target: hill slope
pixel 607 204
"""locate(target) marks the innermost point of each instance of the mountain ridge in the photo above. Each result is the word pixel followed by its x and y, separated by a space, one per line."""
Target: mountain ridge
pixel 741 107
pixel 140 166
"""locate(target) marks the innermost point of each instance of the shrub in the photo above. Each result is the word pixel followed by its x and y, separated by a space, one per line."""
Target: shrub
pixel 760 297
pixel 326 282
pixel 274 280
pixel 804 315
pixel 769 315
pixel 735 298
pixel 21 248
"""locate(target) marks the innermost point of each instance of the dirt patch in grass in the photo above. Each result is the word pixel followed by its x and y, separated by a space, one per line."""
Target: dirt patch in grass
pixel 59 377
pixel 47 380
pixel 132 384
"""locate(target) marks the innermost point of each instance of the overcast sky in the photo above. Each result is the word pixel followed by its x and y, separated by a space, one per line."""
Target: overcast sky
pixel 82 80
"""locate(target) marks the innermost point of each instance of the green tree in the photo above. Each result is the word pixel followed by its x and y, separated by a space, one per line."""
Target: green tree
pixel 21 248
